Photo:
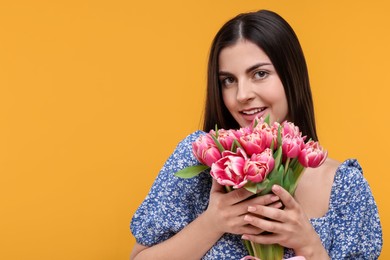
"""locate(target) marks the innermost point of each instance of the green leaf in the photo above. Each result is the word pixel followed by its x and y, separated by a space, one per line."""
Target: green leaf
pixel 278 157
pixel 267 118
pixel 288 179
pixel 296 174
pixel 191 171
pixel 280 175
pixel 235 145
pixel 298 169
pixel 255 122
pixel 233 148
pixel 294 163
pixel 280 135
pixel 267 184
pixel 262 185
pixel 250 186
pixel 219 145
pixel 274 177
pixel 272 147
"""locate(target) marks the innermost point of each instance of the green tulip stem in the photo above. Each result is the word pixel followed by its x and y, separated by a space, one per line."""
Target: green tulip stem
pixel 249 247
pixel 286 165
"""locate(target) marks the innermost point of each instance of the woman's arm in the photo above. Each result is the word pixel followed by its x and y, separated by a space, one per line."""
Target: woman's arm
pixel 225 214
pixel 356 228
pixel 190 243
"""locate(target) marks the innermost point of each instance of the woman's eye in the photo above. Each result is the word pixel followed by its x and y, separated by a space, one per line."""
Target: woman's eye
pixel 227 81
pixel 261 74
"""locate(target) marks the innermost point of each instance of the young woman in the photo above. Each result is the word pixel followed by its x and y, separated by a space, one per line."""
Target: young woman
pixel 257 68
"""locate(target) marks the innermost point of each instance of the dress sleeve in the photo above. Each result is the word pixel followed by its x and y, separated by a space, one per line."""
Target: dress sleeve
pixel 172 202
pixel 356 228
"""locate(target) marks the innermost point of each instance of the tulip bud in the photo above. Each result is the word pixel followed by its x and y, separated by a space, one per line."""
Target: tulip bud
pixel 205 150
pixel 259 165
pixel 229 170
pixel 312 155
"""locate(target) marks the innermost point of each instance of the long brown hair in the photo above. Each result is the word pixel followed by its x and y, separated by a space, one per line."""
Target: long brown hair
pixel 278 40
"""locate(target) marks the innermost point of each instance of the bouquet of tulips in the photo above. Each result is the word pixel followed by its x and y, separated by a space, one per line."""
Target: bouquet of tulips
pixel 256 158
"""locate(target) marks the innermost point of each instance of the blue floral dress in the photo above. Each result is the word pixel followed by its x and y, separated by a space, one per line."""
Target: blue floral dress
pixel 349 230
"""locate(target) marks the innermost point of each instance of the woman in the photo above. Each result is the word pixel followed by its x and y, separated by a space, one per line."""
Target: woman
pixel 257 68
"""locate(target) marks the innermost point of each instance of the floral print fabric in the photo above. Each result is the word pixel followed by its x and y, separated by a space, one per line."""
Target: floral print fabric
pixel 349 230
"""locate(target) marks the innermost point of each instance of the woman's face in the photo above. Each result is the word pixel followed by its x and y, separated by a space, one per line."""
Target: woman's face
pixel 250 85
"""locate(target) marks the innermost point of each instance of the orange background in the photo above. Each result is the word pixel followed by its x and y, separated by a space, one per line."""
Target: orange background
pixel 95 95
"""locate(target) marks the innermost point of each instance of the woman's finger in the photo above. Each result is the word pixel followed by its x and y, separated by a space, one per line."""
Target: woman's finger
pixel 266 221
pixel 263 200
pixel 273 212
pixel 286 198
pixel 216 187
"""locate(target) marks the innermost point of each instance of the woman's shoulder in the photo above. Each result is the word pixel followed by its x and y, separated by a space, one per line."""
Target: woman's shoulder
pixel 314 188
pixel 351 227
pixel 348 174
pixel 318 186
pixel 190 138
pixel 341 176
pixel 333 171
pixel 325 174
pixel 350 187
pixel 194 135
pixel 350 165
pixel 184 147
pixel 330 166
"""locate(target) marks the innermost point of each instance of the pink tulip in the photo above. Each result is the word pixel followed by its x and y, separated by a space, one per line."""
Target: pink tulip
pixel 242 132
pixel 205 150
pixel 256 122
pixel 259 165
pixel 292 146
pixel 288 128
pixel 312 155
pixel 275 129
pixel 225 138
pixel 260 127
pixel 258 140
pixel 229 170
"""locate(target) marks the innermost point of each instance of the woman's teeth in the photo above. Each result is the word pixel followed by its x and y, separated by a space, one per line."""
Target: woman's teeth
pixel 253 111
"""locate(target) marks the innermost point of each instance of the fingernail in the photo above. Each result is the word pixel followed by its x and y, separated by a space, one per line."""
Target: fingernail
pixel 244 237
pixel 275 188
pixel 251 209
pixel 274 198
pixel 248 218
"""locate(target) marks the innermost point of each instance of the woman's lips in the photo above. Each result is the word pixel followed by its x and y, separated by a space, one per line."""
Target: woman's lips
pixel 251 114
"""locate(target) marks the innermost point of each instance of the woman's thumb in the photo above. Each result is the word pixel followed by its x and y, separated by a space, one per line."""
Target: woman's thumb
pixel 216 187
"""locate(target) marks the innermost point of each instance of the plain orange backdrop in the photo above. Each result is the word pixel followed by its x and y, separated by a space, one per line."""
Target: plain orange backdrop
pixel 95 95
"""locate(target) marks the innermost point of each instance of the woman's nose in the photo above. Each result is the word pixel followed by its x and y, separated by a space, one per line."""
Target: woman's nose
pixel 245 92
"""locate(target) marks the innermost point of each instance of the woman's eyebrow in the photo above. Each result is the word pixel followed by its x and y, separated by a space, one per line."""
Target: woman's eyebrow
pixel 248 70
pixel 257 66
pixel 224 73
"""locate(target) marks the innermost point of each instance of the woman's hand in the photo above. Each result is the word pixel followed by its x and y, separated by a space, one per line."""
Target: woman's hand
pixel 290 227
pixel 226 211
